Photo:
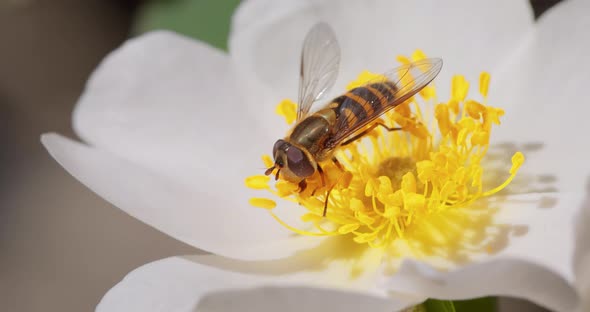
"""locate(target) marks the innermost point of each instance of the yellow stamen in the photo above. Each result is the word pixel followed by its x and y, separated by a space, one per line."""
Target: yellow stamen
pixel 418 55
pixel 262 203
pixel 257 182
pixel 517 161
pixel 484 83
pixel 459 88
pixel 396 186
pixel 296 230
pixel 287 109
pixel 363 78
pixel 267 160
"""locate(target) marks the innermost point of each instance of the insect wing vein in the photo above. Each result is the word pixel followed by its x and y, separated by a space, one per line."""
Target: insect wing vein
pixel 394 88
pixel 320 59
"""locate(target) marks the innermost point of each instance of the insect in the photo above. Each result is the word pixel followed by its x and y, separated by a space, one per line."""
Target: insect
pixel 316 136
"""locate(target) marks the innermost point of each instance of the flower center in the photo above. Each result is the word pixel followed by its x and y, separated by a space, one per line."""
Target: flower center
pixel 391 185
pixel 395 168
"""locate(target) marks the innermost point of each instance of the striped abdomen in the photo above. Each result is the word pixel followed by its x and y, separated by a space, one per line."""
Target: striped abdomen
pixel 361 104
pixel 326 128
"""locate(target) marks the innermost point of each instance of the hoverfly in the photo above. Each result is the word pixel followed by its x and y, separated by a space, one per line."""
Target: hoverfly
pixel 316 136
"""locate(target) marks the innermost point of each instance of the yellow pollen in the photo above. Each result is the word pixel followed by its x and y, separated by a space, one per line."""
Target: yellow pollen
pixel 258 182
pixel 418 55
pixel 363 78
pixel 459 88
pixel 484 83
pixel 287 109
pixel 262 203
pixel 267 161
pixel 517 161
pixel 395 186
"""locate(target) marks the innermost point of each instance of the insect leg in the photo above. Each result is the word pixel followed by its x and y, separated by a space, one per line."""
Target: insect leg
pixel 321 172
pixel 373 126
pixel 337 163
pixel 326 202
pixel 302 186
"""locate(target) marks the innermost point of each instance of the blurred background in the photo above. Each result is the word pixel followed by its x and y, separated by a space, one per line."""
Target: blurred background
pixel 61 246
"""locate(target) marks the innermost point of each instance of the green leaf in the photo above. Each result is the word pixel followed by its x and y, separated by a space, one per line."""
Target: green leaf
pixel 206 20
pixel 485 304
pixel 433 305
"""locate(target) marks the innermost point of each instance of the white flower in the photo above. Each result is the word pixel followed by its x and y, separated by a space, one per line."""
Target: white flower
pixel 171 128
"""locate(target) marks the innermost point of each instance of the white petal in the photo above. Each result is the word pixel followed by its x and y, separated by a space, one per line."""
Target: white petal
pixel 539 229
pixel 163 113
pixel 469 35
pixel 164 101
pixel 531 254
pixel 502 277
pixel 582 254
pixel 179 283
pixel 251 13
pixel 220 222
pixel 296 299
pixel 544 94
pixel 542 91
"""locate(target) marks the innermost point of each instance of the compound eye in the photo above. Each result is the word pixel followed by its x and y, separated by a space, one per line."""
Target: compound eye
pixel 298 163
pixel 276 147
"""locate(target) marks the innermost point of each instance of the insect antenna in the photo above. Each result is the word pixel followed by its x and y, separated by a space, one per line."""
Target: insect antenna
pixel 269 170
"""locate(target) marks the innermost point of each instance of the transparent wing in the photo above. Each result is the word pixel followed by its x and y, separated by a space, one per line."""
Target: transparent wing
pixel 320 58
pixel 361 106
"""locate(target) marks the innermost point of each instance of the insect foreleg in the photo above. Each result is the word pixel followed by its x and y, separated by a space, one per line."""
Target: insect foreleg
pixel 302 186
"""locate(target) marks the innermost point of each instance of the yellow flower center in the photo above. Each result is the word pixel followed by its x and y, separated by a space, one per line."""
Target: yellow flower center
pixel 397 184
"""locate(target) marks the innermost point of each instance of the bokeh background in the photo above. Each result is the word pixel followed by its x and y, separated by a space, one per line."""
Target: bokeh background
pixel 61 246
